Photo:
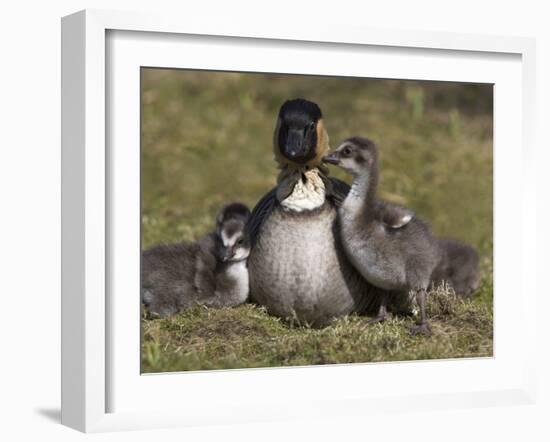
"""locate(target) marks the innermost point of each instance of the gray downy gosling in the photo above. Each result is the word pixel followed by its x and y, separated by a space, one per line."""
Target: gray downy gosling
pixel 459 266
pixel 211 272
pixel 389 246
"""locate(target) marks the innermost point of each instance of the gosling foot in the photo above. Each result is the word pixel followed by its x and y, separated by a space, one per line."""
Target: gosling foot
pixel 421 329
pixel 382 312
pixel 377 320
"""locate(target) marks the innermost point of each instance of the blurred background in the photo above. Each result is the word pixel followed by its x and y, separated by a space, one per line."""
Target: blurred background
pixel 206 140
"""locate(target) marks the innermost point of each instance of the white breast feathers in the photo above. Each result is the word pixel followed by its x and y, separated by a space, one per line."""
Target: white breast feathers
pixel 308 193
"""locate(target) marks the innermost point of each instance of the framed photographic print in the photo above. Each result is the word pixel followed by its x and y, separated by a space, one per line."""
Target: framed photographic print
pixel 252 215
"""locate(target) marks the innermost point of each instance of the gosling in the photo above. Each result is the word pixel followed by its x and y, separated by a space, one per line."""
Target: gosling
pixel 459 267
pixel 211 272
pixel 387 244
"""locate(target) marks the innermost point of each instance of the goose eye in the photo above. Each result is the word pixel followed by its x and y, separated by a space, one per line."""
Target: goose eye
pixel 239 241
pixel 346 151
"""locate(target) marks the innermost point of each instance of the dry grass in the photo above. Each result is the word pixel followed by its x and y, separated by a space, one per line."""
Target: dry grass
pixel 247 336
pixel 206 140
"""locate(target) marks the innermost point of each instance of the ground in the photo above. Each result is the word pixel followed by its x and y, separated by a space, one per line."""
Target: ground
pixel 206 140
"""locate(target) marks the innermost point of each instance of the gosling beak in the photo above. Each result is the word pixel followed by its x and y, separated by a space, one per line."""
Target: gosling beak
pixel 331 159
pixel 226 255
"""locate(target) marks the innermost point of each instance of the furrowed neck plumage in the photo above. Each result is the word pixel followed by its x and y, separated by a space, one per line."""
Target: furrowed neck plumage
pixel 302 179
pixel 300 186
pixel 301 189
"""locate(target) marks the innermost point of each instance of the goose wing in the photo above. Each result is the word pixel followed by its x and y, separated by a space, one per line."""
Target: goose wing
pixel 394 216
pixel 260 213
pixel 337 190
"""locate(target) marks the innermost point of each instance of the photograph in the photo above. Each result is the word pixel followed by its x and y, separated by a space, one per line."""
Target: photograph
pixel 302 220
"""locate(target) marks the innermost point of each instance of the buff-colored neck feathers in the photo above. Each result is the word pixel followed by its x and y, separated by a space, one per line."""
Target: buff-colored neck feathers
pixel 300 186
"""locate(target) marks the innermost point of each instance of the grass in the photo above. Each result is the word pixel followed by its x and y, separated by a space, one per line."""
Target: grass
pixel 247 336
pixel 206 140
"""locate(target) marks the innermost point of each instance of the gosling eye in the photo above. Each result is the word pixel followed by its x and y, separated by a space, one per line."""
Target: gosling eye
pixel 346 151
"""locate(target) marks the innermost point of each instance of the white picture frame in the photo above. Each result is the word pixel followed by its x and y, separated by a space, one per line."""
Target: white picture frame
pixel 90 322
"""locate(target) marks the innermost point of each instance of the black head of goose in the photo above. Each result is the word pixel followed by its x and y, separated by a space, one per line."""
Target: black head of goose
pixel 297 267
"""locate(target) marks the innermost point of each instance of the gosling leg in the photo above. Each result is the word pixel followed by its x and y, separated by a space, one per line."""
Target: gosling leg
pixel 422 327
pixel 382 311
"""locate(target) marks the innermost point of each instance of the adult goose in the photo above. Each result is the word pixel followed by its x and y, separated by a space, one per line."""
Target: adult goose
pixel 297 267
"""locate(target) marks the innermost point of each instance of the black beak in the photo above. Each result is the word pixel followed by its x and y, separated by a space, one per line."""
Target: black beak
pixel 331 159
pixel 294 145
